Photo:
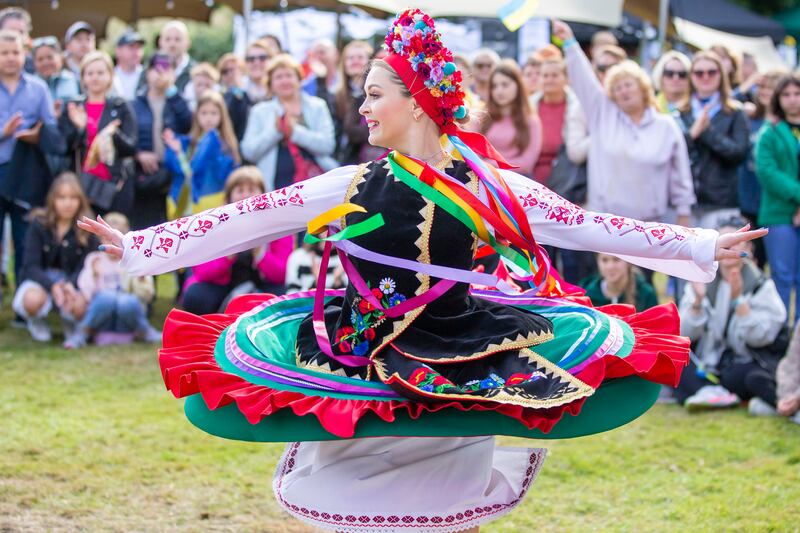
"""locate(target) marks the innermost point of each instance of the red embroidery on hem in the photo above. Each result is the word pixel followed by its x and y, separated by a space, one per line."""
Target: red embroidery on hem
pixel 535 459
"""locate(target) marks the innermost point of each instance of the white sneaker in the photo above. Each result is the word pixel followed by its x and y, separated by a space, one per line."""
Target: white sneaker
pixel 76 340
pixel 711 397
pixel 758 407
pixel 39 329
pixel 152 336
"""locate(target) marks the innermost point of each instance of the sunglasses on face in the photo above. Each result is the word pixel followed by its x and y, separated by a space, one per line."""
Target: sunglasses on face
pixel 226 71
pixel 483 65
pixel 252 59
pixel 682 74
pixel 604 68
pixel 710 73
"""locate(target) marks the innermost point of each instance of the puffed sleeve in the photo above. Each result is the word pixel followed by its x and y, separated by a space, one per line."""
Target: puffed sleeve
pixel 234 227
pixel 686 253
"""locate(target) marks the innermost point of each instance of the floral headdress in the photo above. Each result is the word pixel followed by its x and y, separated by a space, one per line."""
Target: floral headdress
pixel 413 36
pixel 425 64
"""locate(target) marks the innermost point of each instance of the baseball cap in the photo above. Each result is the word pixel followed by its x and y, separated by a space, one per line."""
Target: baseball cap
pixel 130 37
pixel 76 28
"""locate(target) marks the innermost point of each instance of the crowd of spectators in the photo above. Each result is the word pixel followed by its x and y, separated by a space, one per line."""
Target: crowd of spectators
pixel 707 140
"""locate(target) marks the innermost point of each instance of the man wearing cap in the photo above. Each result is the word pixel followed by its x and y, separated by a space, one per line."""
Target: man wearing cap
pixel 78 41
pixel 128 76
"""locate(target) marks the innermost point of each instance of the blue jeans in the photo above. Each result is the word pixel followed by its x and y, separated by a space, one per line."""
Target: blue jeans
pixel 19 229
pixel 119 312
pixel 783 254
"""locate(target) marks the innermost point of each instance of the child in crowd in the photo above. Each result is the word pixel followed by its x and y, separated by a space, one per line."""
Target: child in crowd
pixel 54 255
pixel 117 310
pixel 200 161
pixel 619 282
pixel 261 270
pixel 302 269
pixel 735 324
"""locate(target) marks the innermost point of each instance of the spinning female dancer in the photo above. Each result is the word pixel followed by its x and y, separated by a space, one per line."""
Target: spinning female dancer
pixel 421 353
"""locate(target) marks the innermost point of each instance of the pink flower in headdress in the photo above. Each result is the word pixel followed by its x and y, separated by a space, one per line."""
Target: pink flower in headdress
pixel 424 70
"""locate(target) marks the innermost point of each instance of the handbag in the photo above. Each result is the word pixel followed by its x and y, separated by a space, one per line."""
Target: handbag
pixel 304 164
pixel 101 193
pixel 567 179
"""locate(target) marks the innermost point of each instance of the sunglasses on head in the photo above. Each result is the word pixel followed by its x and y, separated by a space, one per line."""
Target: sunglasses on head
pixel 50 41
pixel 682 74
pixel 710 73
pixel 252 59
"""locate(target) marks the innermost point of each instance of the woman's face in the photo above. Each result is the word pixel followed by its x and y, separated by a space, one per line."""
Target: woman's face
pixel 96 78
pixel 244 191
pixel 627 94
pixel 229 74
pixel 202 84
pixel 553 79
pixel 706 77
pixel 208 116
pixel 532 75
pixel 256 60
pixel 284 83
pixel 675 78
pixel 66 203
pixel 612 269
pixel 504 89
pixel 47 61
pixel 766 88
pixel 790 100
pixel 385 108
pixel 355 62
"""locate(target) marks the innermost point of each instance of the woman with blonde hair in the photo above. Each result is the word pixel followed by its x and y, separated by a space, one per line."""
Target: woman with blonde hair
pixel 718 137
pixel 256 59
pixel 101 135
pixel 200 161
pixel 408 335
pixel 291 137
pixel 671 80
pixel 638 164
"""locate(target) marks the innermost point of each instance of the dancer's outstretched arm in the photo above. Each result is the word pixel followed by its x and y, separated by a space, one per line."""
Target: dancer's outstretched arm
pixel 689 253
pixel 223 230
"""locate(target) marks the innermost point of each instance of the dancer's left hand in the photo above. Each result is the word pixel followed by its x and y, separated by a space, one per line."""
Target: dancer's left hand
pixel 111 238
pixel 727 242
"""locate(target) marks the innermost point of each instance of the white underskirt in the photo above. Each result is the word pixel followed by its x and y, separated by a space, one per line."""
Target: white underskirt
pixel 442 484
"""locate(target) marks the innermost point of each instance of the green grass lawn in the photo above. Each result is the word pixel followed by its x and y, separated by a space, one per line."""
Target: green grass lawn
pixel 92 441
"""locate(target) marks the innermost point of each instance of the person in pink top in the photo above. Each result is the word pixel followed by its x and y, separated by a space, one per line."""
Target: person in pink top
pixel 101 133
pixel 510 124
pixel 261 270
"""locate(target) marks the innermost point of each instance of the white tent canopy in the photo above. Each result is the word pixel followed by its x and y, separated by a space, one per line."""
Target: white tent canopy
pixel 761 48
pixel 600 12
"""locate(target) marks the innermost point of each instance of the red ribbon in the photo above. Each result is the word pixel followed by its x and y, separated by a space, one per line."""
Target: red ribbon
pixel 429 103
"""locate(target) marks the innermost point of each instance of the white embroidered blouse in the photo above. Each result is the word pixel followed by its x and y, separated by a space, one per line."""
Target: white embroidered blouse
pixel 675 250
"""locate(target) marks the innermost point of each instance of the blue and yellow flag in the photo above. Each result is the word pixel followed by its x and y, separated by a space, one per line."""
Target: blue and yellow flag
pixel 517 12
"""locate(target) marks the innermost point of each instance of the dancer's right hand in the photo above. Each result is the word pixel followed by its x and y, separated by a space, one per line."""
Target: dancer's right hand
pixel 110 237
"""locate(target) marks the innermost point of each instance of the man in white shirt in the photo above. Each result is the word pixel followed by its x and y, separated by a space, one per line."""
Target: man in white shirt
pixel 129 69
